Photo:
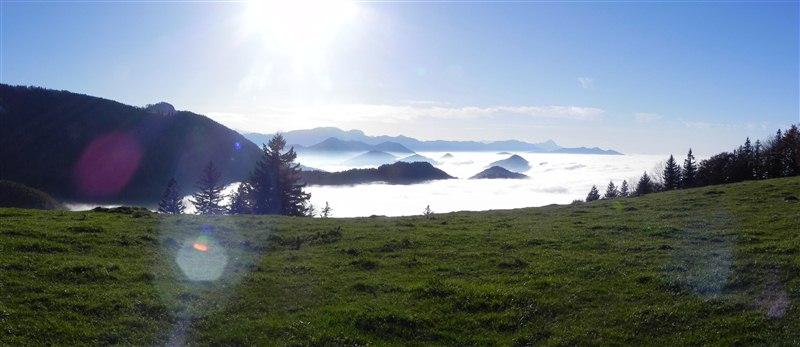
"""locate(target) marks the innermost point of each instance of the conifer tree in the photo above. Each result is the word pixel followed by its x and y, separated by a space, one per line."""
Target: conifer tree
pixel 427 212
pixel 207 199
pixel 326 211
pixel 172 201
pixel 645 185
pixel 758 161
pixel 790 152
pixel 311 211
pixel 624 190
pixel 774 162
pixel 274 181
pixel 689 171
pixel 611 191
pixel 241 200
pixel 672 175
pixel 593 194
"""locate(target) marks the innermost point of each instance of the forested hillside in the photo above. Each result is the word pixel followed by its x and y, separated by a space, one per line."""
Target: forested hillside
pixel 83 148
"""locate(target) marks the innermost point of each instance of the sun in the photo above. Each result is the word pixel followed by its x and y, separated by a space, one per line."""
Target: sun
pixel 300 28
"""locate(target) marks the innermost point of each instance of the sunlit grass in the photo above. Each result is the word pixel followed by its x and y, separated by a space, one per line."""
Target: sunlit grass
pixel 717 265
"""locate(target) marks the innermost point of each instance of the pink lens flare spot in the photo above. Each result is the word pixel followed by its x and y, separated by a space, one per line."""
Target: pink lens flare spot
pixel 200 247
pixel 107 164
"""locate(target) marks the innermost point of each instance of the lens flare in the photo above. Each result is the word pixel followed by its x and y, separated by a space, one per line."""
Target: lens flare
pixel 200 247
pixel 201 244
pixel 202 259
pixel 107 164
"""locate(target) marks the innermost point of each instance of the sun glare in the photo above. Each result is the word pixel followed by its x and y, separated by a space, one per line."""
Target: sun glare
pixel 300 28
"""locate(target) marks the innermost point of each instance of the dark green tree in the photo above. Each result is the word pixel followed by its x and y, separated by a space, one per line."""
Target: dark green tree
pixel 773 158
pixel 611 191
pixel 207 199
pixel 593 194
pixel 715 170
pixel 241 200
pixel 790 152
pixel 672 174
pixel 758 161
pixel 274 181
pixel 689 171
pixel 624 190
pixel 172 201
pixel 645 185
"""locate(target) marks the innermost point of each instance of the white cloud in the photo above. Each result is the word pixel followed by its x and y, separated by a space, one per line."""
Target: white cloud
pixel 696 125
pixel 644 117
pixel 427 102
pixel 586 82
pixel 331 115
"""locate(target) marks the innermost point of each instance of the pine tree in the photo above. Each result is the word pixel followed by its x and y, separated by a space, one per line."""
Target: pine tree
pixel 593 194
pixel 790 152
pixel 645 185
pixel 624 190
pixel 774 162
pixel 672 175
pixel 263 185
pixel 749 160
pixel 207 200
pixel 611 191
pixel 715 170
pixel 274 181
pixel 240 200
pixel 689 171
pixel 172 201
pixel 326 211
pixel 427 212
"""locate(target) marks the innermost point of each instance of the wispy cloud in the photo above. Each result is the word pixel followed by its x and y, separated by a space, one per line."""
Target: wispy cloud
pixel 337 114
pixel 645 117
pixel 696 125
pixel 586 82
pixel 427 102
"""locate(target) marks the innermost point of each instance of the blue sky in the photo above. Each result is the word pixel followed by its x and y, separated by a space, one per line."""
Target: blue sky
pixel 639 77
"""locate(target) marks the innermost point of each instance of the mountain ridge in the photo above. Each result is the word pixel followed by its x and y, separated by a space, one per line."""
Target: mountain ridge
pixel 81 148
pixel 338 145
pixel 311 137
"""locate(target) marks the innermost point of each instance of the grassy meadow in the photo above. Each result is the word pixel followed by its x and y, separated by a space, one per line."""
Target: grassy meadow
pixel 711 266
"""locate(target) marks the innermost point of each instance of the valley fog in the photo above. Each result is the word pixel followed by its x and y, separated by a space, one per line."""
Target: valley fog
pixel 554 179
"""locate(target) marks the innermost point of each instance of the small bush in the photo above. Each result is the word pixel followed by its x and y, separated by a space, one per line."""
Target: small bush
pixel 18 195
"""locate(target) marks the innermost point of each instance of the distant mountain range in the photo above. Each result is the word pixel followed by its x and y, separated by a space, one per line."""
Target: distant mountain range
pixel 81 148
pixel 371 158
pixel 311 138
pixel 337 145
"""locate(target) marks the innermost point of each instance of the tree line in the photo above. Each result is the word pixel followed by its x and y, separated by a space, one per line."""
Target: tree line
pixel 273 188
pixel 778 156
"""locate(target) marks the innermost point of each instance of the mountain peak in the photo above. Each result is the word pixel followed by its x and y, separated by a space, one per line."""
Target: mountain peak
pixel 160 108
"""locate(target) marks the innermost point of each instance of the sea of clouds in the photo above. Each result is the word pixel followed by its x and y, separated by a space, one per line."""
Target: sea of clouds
pixel 554 179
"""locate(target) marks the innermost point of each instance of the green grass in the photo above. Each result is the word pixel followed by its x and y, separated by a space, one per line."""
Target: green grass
pixel 711 266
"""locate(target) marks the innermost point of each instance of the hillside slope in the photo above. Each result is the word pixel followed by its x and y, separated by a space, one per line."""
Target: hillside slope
pixel 396 173
pixel 711 266
pixel 83 148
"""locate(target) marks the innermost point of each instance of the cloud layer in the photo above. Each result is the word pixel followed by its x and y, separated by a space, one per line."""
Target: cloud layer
pixel 348 113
